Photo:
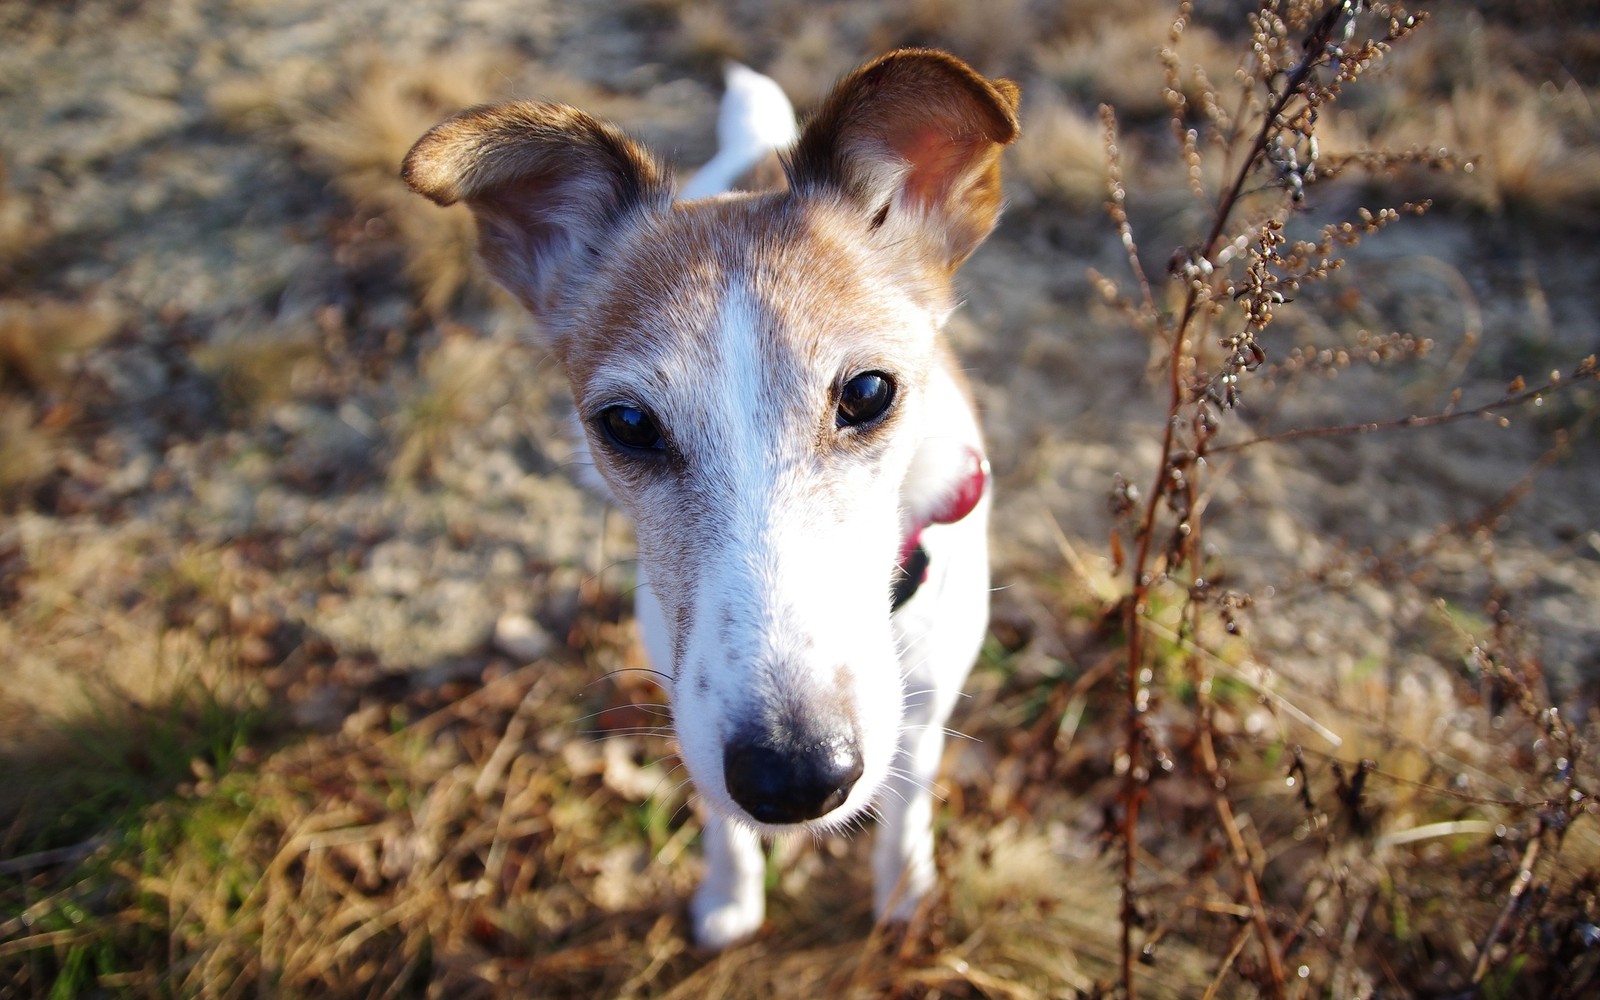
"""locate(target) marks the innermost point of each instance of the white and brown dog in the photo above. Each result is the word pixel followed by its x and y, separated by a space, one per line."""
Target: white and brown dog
pixel 764 389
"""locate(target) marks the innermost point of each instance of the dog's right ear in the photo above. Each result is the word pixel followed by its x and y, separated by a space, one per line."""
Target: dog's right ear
pixel 549 186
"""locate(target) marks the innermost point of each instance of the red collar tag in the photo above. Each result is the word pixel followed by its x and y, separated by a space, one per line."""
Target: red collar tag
pixel 968 490
pixel 962 498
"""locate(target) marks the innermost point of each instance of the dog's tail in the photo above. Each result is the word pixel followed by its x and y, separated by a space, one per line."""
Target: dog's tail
pixel 756 122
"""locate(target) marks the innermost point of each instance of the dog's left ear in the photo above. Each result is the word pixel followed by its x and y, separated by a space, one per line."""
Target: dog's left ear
pixel 915 135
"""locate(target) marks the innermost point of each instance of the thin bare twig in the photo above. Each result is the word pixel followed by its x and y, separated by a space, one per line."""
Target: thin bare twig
pixel 1586 370
pixel 1239 941
pixel 1519 885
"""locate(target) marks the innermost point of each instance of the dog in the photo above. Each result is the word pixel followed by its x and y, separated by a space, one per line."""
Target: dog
pixel 763 387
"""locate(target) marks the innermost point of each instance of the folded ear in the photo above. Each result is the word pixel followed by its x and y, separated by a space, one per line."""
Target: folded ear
pixel 549 185
pixel 915 135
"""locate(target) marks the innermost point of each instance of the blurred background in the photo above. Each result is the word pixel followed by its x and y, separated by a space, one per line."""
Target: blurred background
pixel 309 637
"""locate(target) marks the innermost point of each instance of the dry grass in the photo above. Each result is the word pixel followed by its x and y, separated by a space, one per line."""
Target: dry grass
pixel 705 36
pixel 362 138
pixel 39 338
pixel 28 449
pixel 450 394
pixel 1524 146
pixel 106 616
pixel 20 231
pixel 1523 155
pixel 483 839
pixel 1111 56
pixel 358 126
pixel 257 365
pixel 42 341
pixel 1062 154
pixel 993 36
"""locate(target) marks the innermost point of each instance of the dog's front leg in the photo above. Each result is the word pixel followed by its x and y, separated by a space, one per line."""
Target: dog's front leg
pixel 902 850
pixel 731 902
pixel 940 632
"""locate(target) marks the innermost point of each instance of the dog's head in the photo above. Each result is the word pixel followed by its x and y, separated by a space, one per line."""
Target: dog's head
pixel 754 375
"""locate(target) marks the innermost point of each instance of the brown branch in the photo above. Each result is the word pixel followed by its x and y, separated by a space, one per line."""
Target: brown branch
pixel 1116 208
pixel 1520 805
pixel 1177 347
pixel 1315 45
pixel 1172 489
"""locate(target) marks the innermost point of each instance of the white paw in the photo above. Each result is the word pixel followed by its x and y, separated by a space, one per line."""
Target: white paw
pixel 720 919
pixel 902 864
pixel 896 902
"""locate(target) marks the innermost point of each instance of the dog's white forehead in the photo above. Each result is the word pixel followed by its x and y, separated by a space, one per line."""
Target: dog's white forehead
pixel 815 300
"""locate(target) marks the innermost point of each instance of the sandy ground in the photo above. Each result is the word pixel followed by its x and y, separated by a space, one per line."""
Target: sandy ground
pixel 155 153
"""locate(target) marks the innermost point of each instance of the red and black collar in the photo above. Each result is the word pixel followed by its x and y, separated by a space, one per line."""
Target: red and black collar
pixel 959 501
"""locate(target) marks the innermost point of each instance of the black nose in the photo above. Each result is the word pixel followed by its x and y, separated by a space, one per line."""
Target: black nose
pixel 783 780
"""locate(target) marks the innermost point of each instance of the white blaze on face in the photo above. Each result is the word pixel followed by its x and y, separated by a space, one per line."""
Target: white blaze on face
pixel 785 628
pixel 772 557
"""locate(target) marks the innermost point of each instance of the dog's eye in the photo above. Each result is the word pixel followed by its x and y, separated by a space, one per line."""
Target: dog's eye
pixel 864 399
pixel 631 428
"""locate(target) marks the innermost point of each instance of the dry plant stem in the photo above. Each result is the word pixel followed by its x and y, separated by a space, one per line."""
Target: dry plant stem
pixel 1315 44
pixel 1218 785
pixel 1519 885
pixel 1178 346
pixel 1138 696
pixel 1587 370
pixel 1239 941
pixel 1252 887
pixel 1293 87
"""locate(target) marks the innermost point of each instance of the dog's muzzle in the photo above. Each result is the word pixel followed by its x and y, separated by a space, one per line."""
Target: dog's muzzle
pixel 782 778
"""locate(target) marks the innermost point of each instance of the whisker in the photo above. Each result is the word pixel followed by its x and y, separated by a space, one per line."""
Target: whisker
pixel 626 670
pixel 632 731
pixel 656 792
pixel 591 720
pixel 907 668
pixel 928 785
pixel 891 789
pixel 647 707
pixel 688 800
pixel 876 812
pixel 907 776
